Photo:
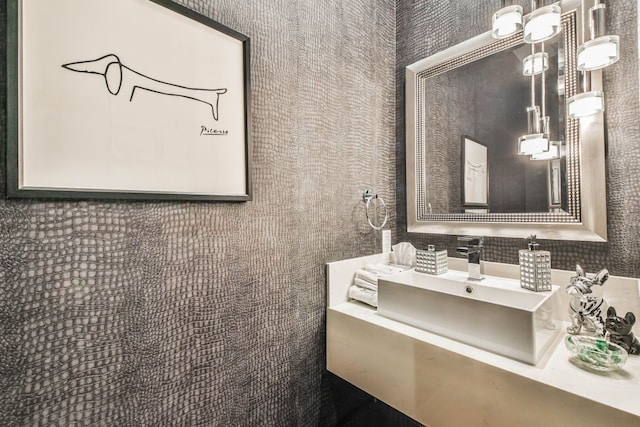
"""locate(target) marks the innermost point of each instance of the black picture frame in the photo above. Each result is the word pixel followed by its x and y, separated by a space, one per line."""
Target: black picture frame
pixel 241 141
pixel 474 173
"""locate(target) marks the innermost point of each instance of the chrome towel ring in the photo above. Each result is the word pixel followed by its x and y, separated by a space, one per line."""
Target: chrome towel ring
pixel 368 198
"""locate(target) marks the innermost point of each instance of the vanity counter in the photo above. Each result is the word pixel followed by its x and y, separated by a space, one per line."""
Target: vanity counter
pixel 442 382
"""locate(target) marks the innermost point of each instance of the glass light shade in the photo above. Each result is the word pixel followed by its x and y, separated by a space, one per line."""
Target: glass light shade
pixel 598 53
pixel 534 143
pixel 535 63
pixel 585 104
pixel 507 21
pixel 542 24
pixel 552 153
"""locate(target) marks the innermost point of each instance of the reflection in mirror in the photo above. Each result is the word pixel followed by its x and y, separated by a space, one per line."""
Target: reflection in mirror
pixel 477 91
pixel 486 100
pixel 475 174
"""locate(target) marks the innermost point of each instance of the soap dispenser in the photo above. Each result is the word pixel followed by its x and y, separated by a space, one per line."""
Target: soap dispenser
pixel 535 267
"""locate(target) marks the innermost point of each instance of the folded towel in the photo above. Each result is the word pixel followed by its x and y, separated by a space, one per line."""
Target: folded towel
pixel 373 272
pixel 366 296
pixel 365 284
pixel 381 269
pixel 367 276
pixel 365 288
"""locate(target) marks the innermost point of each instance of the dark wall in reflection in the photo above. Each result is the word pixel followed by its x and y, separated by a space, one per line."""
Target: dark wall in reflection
pixel 486 101
pixel 501 94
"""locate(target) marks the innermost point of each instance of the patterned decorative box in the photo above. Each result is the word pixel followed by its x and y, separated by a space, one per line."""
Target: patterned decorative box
pixel 431 261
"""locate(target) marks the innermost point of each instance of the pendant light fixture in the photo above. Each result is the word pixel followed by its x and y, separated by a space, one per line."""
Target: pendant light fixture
pixel 535 63
pixel 507 21
pixel 551 154
pixel 552 151
pixel 585 104
pixel 600 51
pixel 535 141
pixel 532 144
pixel 542 24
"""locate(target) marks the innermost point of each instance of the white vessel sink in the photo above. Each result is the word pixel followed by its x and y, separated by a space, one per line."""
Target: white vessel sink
pixel 494 314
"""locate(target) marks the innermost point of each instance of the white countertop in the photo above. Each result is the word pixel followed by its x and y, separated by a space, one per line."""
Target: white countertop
pixel 619 389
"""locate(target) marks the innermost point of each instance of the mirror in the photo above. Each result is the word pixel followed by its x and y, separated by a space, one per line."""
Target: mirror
pixel 485 102
pixel 466 108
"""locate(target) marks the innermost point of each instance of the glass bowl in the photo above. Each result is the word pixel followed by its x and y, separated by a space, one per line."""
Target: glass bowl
pixel 596 353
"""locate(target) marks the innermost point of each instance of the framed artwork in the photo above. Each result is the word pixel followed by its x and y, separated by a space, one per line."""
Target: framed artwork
pixel 125 99
pixel 475 174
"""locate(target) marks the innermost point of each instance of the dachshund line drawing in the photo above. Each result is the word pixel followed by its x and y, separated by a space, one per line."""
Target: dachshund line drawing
pixel 118 78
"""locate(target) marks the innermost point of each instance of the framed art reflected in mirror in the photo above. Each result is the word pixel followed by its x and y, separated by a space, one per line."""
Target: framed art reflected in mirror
pixel 475 174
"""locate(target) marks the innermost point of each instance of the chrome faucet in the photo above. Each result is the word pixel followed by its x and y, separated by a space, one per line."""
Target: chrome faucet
pixel 473 251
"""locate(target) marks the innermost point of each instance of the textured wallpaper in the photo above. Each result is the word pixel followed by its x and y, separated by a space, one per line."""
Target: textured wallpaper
pixel 212 314
pixel 429 26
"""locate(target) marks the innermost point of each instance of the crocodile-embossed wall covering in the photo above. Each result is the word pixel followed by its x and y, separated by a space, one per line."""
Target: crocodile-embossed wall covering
pixel 186 314
pixel 428 26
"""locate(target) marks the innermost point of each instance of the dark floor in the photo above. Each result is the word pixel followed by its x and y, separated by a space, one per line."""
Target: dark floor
pixel 348 406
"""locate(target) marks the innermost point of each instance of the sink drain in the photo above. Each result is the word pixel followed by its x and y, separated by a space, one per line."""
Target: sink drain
pixel 469 289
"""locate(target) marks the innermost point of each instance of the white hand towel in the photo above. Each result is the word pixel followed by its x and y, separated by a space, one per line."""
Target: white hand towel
pixel 367 276
pixel 365 284
pixel 381 269
pixel 366 296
